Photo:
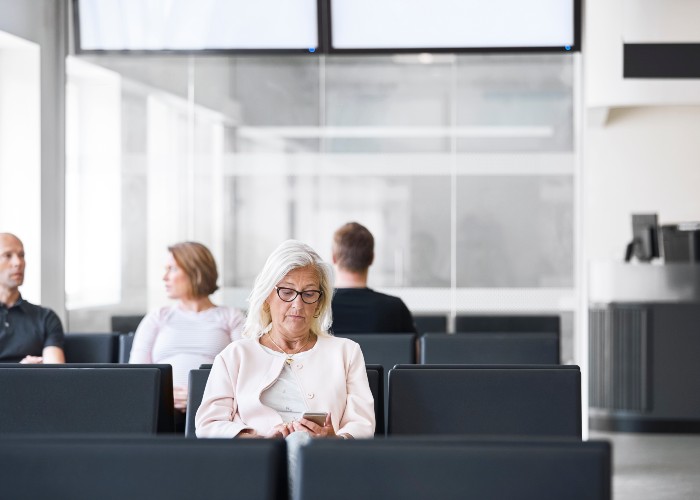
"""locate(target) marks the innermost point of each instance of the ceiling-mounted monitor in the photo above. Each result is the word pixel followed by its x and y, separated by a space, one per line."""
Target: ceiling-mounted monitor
pixel 196 26
pixel 454 25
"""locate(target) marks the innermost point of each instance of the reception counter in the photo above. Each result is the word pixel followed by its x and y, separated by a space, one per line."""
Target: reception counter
pixel 644 347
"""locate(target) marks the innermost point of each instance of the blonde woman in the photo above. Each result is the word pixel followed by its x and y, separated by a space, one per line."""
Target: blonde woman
pixel 288 365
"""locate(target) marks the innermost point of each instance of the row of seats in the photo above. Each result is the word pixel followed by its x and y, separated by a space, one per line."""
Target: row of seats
pixel 423 399
pixel 171 469
pixel 99 398
pixel 390 349
pixel 428 323
pixel 472 348
pixel 386 350
pixel 534 400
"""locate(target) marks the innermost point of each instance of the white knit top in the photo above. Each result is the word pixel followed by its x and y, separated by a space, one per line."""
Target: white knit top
pixel 185 339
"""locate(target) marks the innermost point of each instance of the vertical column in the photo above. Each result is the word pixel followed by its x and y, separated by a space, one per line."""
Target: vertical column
pixel 54 48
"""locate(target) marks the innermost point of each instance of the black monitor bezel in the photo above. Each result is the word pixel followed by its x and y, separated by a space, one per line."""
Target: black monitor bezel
pixel 325 45
pixel 320 44
pixel 576 47
pixel 645 225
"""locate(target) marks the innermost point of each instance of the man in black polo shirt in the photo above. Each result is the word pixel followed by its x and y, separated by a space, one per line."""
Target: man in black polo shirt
pixel 357 308
pixel 28 333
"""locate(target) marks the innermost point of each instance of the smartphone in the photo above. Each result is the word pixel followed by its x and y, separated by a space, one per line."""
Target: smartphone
pixel 317 418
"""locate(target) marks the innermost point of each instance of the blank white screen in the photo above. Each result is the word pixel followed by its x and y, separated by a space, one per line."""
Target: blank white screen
pixel 386 24
pixel 197 24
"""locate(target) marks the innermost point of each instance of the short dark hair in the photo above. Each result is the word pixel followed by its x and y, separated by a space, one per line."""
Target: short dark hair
pixel 353 247
pixel 199 265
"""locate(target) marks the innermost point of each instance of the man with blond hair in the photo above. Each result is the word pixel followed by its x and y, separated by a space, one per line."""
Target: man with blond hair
pixel 357 308
pixel 28 333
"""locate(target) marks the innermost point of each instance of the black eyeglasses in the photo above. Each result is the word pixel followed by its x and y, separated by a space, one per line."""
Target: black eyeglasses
pixel 307 296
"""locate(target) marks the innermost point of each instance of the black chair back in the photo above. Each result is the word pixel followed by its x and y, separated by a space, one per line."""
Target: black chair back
pixel 82 401
pixel 90 347
pixel 455 469
pixel 125 323
pixel 166 407
pixel 375 377
pixel 197 384
pixel 508 323
pixel 386 349
pixel 490 348
pixel 126 340
pixel 142 469
pixel 518 400
pixel 430 323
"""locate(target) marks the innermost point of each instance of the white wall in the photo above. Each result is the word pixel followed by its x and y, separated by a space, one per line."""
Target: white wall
pixel 608 24
pixel 642 152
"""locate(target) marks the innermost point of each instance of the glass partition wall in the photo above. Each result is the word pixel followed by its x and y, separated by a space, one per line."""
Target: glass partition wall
pixel 463 167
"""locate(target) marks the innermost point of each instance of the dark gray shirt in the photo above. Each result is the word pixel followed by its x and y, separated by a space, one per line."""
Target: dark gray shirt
pixel 362 310
pixel 25 329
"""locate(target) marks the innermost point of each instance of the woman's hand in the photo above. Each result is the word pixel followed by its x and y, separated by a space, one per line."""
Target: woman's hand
pixel 32 360
pixel 280 430
pixel 180 398
pixel 326 430
pixel 248 433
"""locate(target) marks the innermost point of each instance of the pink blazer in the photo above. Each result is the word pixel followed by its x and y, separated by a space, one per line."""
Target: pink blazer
pixel 332 375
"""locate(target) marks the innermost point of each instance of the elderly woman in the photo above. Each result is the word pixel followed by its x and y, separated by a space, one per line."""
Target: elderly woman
pixel 288 364
pixel 193 330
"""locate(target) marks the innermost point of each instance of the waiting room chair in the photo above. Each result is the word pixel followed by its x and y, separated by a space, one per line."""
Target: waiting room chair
pixel 125 323
pixel 519 400
pixel 507 323
pixel 126 340
pixel 430 323
pixel 455 469
pixel 375 377
pixel 163 468
pixel 197 384
pixel 490 348
pixel 91 347
pixel 78 400
pixel 166 408
pixel 386 349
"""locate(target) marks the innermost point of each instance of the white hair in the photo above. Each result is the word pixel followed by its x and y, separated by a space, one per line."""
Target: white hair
pixel 290 255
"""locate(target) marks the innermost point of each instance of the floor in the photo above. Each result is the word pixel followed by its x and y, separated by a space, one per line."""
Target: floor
pixel 654 466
